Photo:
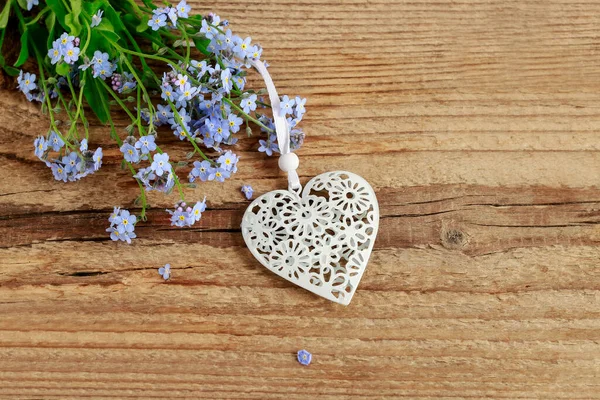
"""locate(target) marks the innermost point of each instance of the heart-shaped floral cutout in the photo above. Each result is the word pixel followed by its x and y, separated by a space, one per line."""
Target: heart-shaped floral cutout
pixel 320 240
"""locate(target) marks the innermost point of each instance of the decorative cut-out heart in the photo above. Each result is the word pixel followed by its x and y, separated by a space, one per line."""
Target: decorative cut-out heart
pixel 320 240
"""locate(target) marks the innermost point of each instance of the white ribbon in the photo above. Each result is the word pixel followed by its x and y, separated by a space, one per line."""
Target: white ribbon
pixel 281 125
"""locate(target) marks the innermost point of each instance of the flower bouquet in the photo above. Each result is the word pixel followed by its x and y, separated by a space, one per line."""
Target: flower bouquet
pixel 166 69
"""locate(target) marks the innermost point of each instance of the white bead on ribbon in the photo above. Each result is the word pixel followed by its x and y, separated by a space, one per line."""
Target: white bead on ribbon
pixel 288 161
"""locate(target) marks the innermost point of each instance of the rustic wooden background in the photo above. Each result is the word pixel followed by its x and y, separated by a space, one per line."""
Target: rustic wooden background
pixel 476 121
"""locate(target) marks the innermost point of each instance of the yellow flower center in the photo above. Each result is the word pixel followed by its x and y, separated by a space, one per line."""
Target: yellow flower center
pixel 27 81
pixel 228 161
pixel 125 222
pixel 70 53
pixel 218 174
pixel 181 217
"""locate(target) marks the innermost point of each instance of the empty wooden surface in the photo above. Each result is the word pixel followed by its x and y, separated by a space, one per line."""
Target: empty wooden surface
pixel 477 123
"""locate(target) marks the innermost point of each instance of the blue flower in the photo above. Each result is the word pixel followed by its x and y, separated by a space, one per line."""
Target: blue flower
pixel 164 113
pixel 181 80
pixel 146 144
pixel 160 164
pixel 268 146
pixel 31 3
pixel 234 122
pixel 59 172
pixel 41 145
pixel 26 82
pixel 165 271
pixel 242 48
pixel 83 145
pixel 125 222
pixel 71 53
pixel 182 215
pixel 181 218
pixel 287 105
pixel 56 52
pixel 124 236
pixel 219 174
pixel 96 18
pixel 157 21
pixel 299 110
pixel 248 191
pixel 114 215
pixel 55 141
pixel 130 153
pixel 97 158
pixel 172 14
pixel 99 57
pixel 249 103
pixel 198 209
pixel 70 162
pixel 64 39
pixel 183 9
pixel 226 80
pixel 167 93
pixel 187 92
pixel 228 161
pixel 304 357
pixel 207 30
pixel 201 170
pixel 122 225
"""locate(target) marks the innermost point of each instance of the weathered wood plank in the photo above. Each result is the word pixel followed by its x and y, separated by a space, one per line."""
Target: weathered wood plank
pixel 477 124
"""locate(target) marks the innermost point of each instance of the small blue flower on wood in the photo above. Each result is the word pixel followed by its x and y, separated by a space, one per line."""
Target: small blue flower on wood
pixel 304 357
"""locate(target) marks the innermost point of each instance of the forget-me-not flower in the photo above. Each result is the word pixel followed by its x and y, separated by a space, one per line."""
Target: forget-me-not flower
pixel 97 158
pixel 248 191
pixel 31 3
pixel 157 21
pixel 304 357
pixel 183 9
pixel 161 164
pixel 165 272
pixel 96 18
pixel 130 153
pixel 146 144
pixel 55 141
pixel 41 145
pixel 249 103
pixel 71 53
pixel 201 170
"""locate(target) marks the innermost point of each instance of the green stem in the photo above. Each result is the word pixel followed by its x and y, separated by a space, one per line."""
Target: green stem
pixel 118 100
pixel 257 122
pixel 37 17
pixel 187 134
pixel 115 136
pixel 87 40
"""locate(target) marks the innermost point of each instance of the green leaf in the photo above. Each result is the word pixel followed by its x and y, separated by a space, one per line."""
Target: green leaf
pixel 110 36
pixel 202 45
pixel 143 24
pixel 59 9
pixel 73 23
pixel 63 68
pixel 23 4
pixel 96 97
pixel 11 70
pixel 24 54
pixel 50 23
pixel 4 15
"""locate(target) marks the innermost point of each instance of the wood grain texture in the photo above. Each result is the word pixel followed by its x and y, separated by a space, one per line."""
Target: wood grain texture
pixel 476 122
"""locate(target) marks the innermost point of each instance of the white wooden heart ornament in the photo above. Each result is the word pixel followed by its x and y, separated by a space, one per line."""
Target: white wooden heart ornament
pixel 320 237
